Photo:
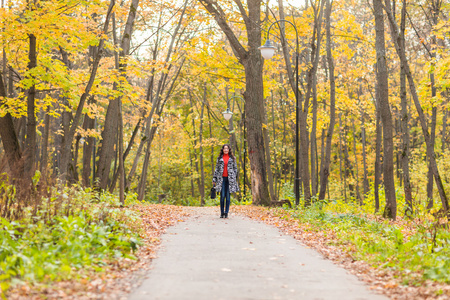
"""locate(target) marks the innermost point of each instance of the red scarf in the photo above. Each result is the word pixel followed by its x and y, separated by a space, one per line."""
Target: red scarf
pixel 225 157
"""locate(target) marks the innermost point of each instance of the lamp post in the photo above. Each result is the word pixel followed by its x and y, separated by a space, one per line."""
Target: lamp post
pixel 267 51
pixel 227 114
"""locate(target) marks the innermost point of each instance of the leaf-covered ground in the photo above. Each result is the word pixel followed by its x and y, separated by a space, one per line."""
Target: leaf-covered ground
pixel 385 280
pixel 122 276
pixel 118 277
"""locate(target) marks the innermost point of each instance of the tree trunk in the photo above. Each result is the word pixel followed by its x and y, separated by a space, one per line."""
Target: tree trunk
pixel 285 47
pixel 245 181
pixel 29 152
pixel 358 195
pixel 136 160
pixel 254 111
pixel 88 148
pixel 348 167
pixel 71 132
pixel 342 178
pixel 107 150
pixel 22 132
pixel 363 137
pixel 148 119
pixel 159 162
pixel 284 147
pixel 143 179
pixel 44 156
pixel 401 53
pixel 212 146
pixel 231 137
pixel 253 95
pixel 73 165
pixel 313 140
pixel 325 171
pixel 277 174
pixel 444 131
pixel 377 158
pixel 9 139
pixel 435 12
pixel 273 196
pixel 404 123
pixel 390 210
pixel 315 57
pixel 322 153
pixel 110 130
pixel 66 118
pixel 192 173
pixel 194 144
pixel 121 159
pixel 157 106
pixel 432 140
pixel 125 154
pixel 255 138
pixel 5 86
pixel 200 141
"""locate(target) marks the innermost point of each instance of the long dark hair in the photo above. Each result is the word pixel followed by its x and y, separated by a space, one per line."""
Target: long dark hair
pixel 230 152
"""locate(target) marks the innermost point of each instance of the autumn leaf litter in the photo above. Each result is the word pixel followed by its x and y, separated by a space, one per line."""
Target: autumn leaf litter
pixel 121 277
pixel 118 278
pixel 381 280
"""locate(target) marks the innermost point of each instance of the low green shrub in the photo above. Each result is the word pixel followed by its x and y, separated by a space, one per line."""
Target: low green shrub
pixel 84 234
pixel 416 249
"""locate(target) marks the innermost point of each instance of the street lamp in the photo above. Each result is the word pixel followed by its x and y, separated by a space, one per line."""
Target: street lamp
pixel 267 51
pixel 227 115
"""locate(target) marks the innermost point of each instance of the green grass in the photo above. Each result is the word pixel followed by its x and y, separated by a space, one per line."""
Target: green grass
pixel 415 250
pixel 83 234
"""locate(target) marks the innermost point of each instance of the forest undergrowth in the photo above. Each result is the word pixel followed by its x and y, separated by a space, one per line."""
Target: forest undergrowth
pixel 76 243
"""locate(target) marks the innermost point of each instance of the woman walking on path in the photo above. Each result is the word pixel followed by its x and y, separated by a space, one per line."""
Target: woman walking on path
pixel 224 178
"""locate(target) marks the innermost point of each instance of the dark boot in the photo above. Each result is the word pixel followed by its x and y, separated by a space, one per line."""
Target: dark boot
pixel 226 216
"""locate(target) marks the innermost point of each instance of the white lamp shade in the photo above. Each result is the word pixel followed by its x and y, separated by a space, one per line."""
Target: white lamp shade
pixel 267 50
pixel 227 114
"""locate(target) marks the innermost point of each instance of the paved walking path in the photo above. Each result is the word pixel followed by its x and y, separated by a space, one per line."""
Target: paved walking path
pixel 236 258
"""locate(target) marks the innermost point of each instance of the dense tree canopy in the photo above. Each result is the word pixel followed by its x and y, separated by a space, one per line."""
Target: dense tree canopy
pixel 75 73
